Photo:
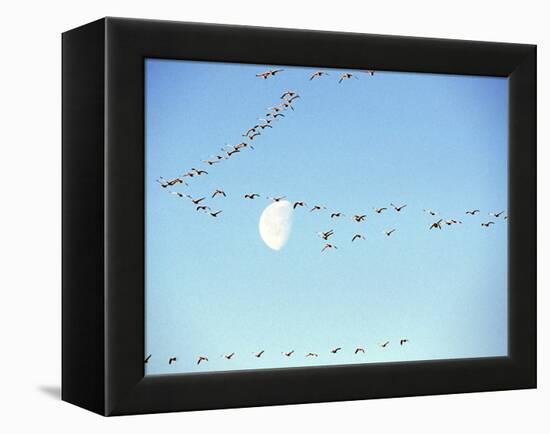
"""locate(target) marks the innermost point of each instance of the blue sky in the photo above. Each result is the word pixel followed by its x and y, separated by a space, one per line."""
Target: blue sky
pixel 427 140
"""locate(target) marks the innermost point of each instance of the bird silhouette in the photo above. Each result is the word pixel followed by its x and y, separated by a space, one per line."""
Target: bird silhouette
pixel 473 212
pixel 317 74
pixel 199 172
pixel 196 201
pixel 359 217
pixel 385 344
pixel 336 214
pixel 436 224
pixel 335 350
pixel 219 192
pixel 215 214
pixel 403 341
pixel 359 350
pixel 172 360
pixel 496 214
pixel 202 208
pixel 325 235
pixel 312 355
pixel 487 224
pixel 288 93
pixel 202 359
pixel 356 237
pixel 429 211
pixel 388 233
pixel 251 195
pixel 379 210
pixel 147 358
pixel 328 246
pixel 259 354
pixel 269 73
pixel 289 353
pixel 317 208
pixel 346 76
pixel 299 203
pixel 229 356
pixel 398 208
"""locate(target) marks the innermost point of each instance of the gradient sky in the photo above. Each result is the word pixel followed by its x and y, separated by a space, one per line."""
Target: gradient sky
pixel 428 140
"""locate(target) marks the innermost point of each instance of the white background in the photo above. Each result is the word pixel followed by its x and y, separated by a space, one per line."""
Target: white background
pixel 30 215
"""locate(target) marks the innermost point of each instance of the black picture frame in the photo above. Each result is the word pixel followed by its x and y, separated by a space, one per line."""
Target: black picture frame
pixel 103 216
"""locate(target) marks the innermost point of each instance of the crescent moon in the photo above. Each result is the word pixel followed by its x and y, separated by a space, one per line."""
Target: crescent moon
pixel 275 224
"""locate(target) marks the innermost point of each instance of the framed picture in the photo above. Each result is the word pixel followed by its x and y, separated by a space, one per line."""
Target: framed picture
pixel 258 216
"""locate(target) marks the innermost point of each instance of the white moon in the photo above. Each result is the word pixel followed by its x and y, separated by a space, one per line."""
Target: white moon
pixel 275 224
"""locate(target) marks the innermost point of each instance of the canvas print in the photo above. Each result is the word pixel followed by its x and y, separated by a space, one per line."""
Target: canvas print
pixel 301 216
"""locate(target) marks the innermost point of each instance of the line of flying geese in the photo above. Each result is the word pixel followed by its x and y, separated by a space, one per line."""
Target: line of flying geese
pixel 272 115
pixel 259 354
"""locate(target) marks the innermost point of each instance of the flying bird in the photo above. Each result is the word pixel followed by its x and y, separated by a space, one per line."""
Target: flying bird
pixel 318 74
pixel 251 137
pixel 251 195
pixel 288 354
pixel 496 214
pixel 317 208
pixel 277 199
pixel 202 359
pixel 472 212
pixel 328 246
pixel 436 224
pixel 196 201
pixel 233 151
pixel 289 93
pixel 312 355
pixel 274 115
pixel 212 162
pixel 199 172
pixel 357 236
pixel 172 360
pixel 452 222
pixel 429 211
pixel 258 355
pixel 398 208
pixel 264 126
pixel 403 341
pixel 269 73
pixel 229 356
pixel 335 350
pixel 177 193
pixel 249 131
pixel 359 217
pixel 336 214
pixel 487 224
pixel 170 182
pixel 219 192
pixel 147 358
pixel 299 203
pixel 370 72
pixel 325 235
pixel 292 98
pixel 202 208
pixel 385 344
pixel 379 210
pixel 388 233
pixel 215 214
pixel 359 350
pixel 345 76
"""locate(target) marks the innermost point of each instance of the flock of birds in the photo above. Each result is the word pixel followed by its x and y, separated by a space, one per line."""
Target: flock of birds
pixel 258 354
pixel 287 102
pixel 250 135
